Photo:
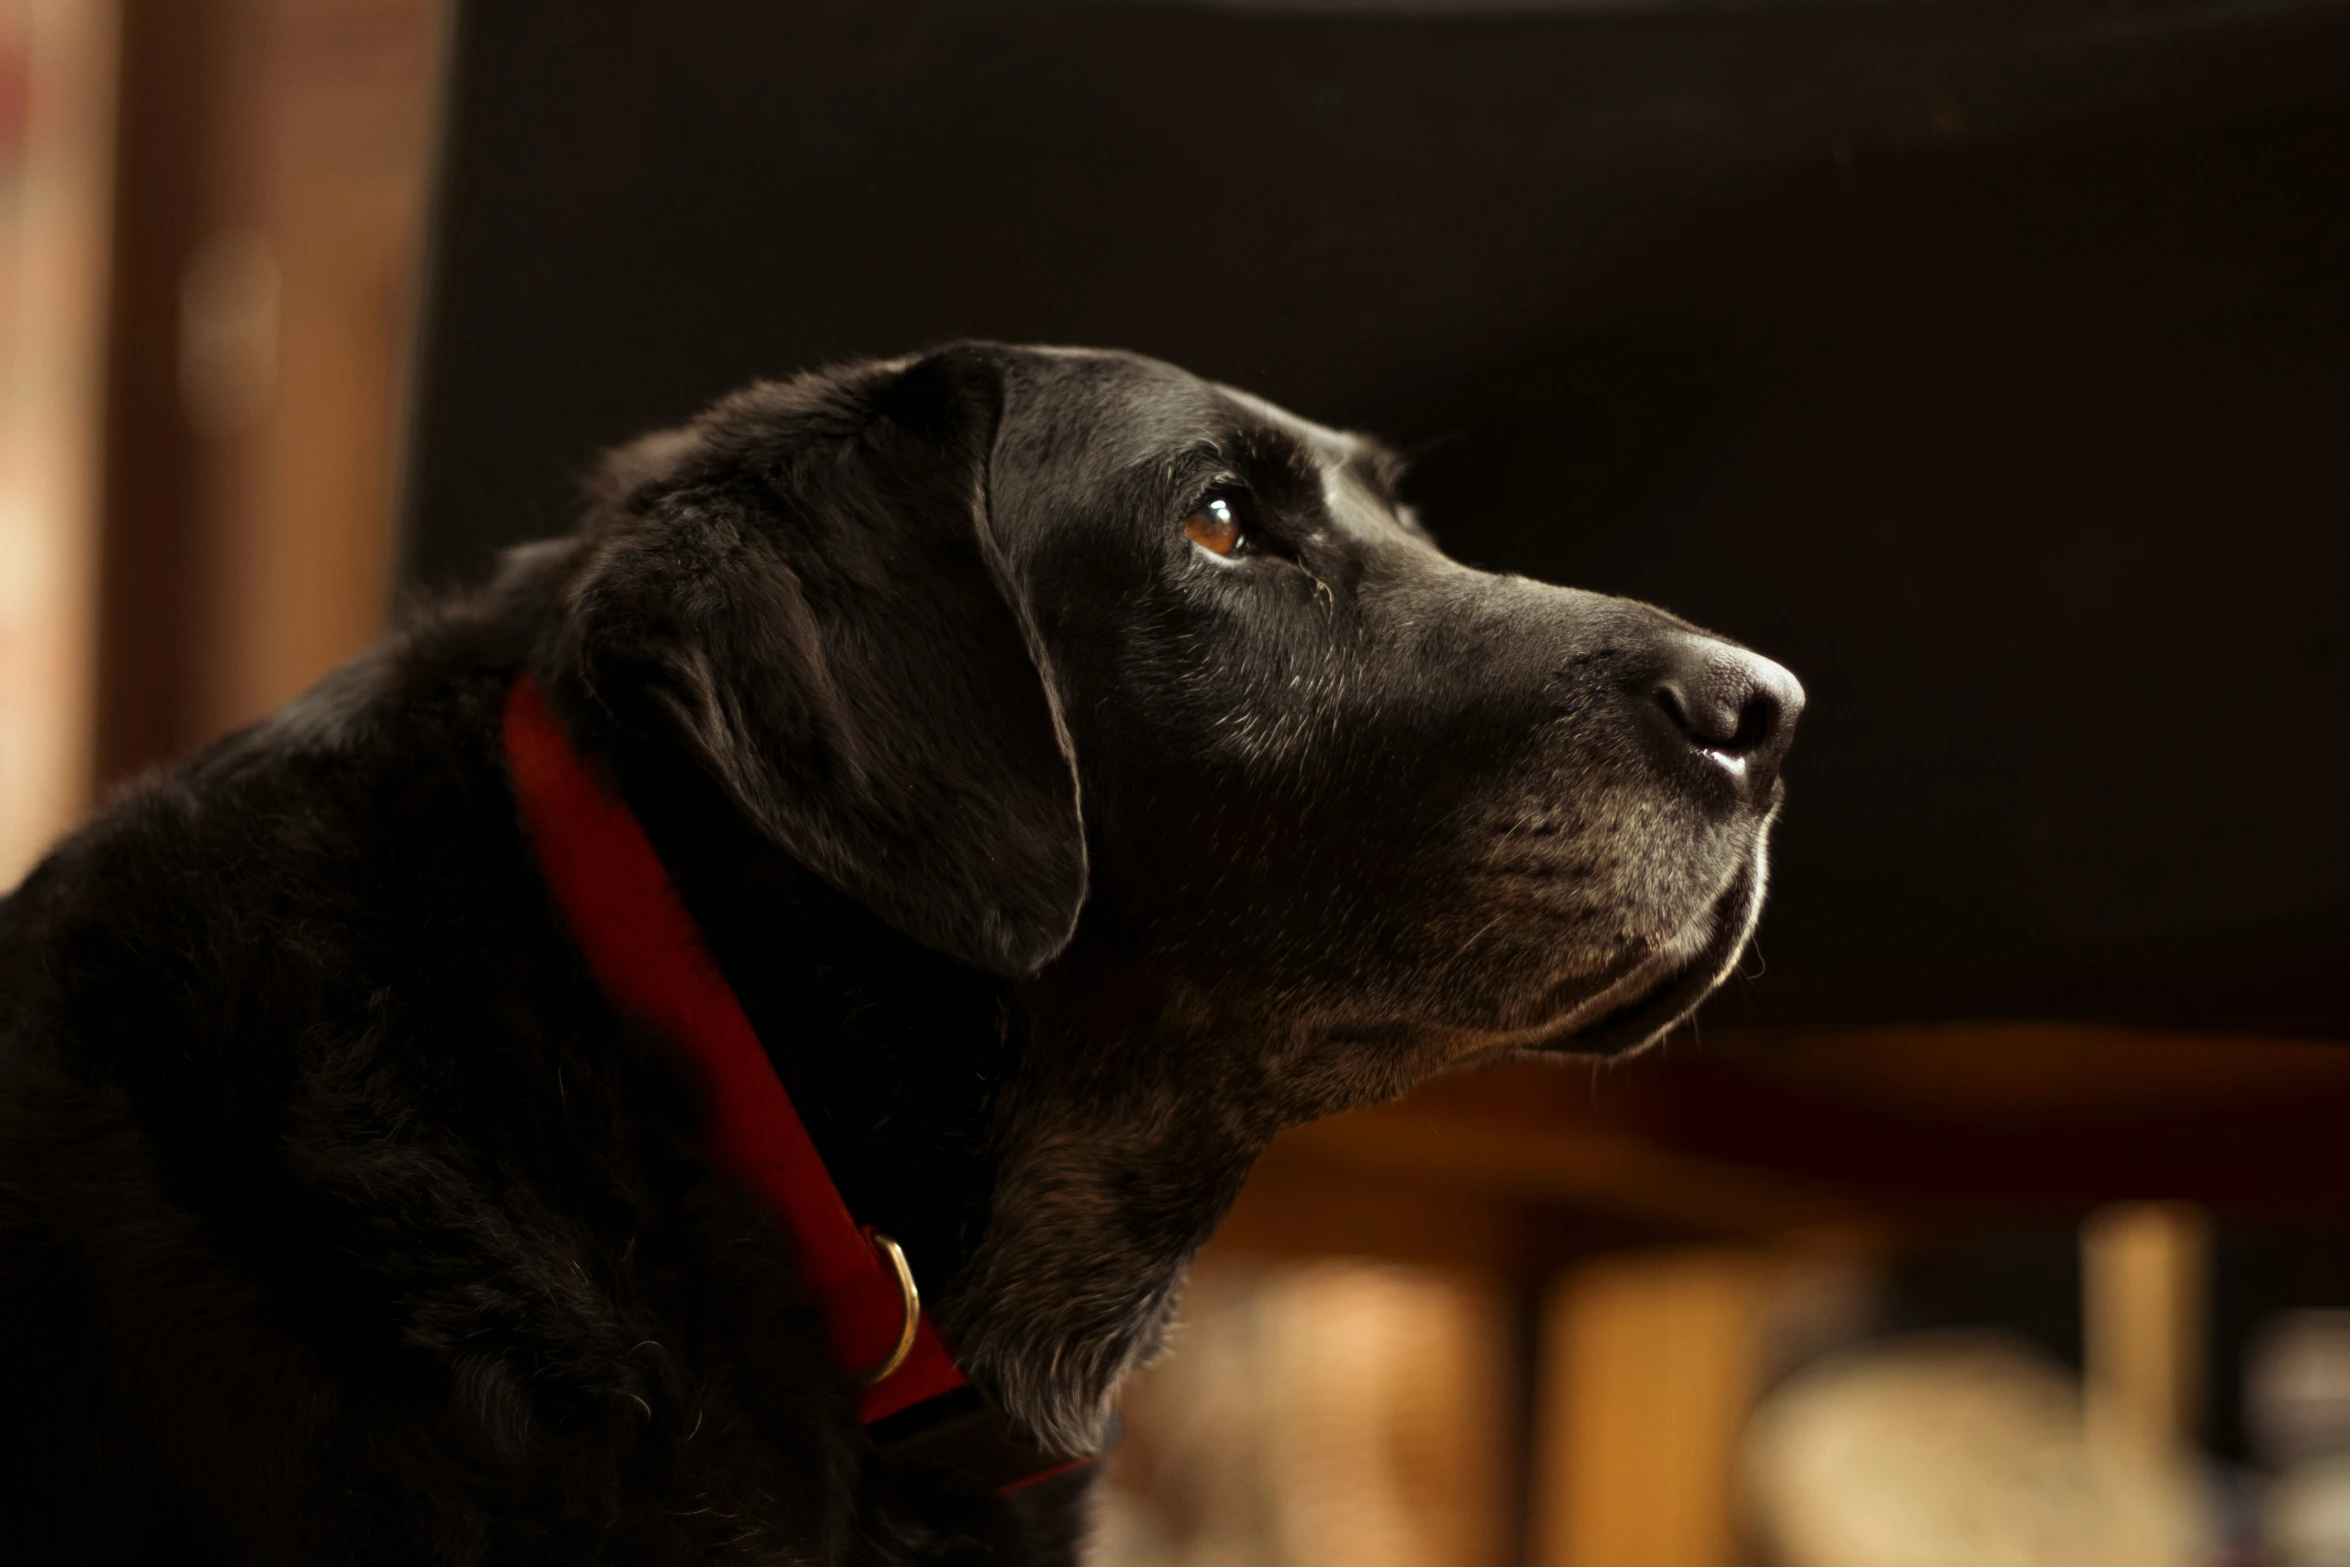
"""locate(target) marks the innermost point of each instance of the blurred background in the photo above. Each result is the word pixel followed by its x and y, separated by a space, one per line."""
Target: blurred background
pixel 1986 362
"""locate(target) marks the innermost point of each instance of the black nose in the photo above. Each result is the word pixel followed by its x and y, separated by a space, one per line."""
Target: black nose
pixel 1735 709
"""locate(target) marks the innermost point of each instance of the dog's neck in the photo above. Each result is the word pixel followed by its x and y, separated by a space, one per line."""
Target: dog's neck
pixel 892 1054
pixel 1113 1170
pixel 1050 1224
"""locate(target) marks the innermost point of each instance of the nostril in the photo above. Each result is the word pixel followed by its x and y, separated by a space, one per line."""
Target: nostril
pixel 1758 725
pixel 1712 717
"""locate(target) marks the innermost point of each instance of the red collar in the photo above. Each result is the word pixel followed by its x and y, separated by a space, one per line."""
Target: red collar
pixel 648 956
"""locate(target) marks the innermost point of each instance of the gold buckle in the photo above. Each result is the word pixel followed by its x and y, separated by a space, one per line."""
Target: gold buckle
pixel 913 1299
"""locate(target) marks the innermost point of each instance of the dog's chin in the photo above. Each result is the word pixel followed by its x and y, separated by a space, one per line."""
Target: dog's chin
pixel 1648 1004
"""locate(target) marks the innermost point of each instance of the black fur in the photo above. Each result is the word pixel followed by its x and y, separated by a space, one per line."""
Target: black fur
pixel 1059 863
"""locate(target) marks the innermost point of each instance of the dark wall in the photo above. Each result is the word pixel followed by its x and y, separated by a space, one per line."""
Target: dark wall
pixel 1988 364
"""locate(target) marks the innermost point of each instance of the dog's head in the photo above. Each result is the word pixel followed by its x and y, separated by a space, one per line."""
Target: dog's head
pixel 1157 702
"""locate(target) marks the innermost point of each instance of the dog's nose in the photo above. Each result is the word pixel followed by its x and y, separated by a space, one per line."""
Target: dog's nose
pixel 1736 709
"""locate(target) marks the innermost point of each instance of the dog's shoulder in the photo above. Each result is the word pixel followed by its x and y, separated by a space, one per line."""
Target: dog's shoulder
pixel 276 862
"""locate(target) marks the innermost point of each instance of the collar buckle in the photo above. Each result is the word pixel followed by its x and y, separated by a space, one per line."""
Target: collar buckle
pixel 895 1256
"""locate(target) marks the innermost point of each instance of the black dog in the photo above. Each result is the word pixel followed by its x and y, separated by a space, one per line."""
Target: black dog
pixel 1079 771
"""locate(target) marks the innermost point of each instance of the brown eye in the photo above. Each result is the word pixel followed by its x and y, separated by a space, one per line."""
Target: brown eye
pixel 1215 527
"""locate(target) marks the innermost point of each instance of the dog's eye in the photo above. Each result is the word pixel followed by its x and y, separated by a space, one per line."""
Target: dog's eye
pixel 1217 525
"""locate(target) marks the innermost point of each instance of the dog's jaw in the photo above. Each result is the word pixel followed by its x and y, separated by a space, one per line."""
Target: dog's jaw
pixel 1096 1217
pixel 1641 1019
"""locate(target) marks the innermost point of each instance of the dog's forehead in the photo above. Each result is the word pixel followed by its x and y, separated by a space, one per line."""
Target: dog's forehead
pixel 1153 403
pixel 1135 411
pixel 1351 500
pixel 1329 448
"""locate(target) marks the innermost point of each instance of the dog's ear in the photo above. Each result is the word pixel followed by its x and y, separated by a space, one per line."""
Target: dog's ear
pixel 806 588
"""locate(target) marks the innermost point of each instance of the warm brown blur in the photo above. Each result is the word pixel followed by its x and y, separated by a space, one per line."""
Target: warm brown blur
pixel 270 185
pixel 56 102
